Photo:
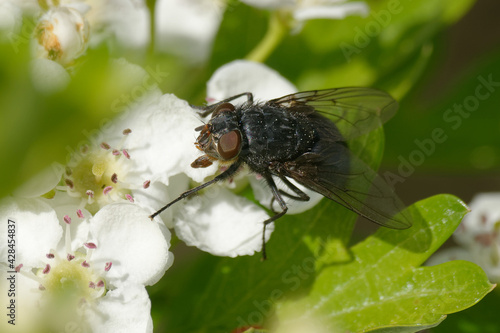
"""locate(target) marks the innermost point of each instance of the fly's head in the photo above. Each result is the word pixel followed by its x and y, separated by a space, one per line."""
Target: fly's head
pixel 220 138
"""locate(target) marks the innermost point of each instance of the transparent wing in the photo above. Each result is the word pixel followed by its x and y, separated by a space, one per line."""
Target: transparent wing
pixel 351 183
pixel 334 171
pixel 354 110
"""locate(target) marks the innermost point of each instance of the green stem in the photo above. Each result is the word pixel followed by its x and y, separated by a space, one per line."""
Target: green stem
pixel 276 31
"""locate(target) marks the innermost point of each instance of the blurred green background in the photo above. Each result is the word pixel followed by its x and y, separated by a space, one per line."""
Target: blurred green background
pixel 429 54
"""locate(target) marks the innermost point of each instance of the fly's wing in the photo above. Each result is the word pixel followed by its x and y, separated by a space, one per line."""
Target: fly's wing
pixel 355 111
pixel 336 173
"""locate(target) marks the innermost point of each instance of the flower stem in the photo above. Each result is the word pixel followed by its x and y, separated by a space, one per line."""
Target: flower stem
pixel 276 31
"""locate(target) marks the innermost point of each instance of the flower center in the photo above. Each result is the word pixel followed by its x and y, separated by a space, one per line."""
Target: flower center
pixel 70 287
pixel 97 175
pixel 70 280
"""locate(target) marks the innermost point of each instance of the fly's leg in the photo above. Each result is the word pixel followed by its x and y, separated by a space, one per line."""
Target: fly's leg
pixel 301 196
pixel 206 110
pixel 279 198
pixel 226 174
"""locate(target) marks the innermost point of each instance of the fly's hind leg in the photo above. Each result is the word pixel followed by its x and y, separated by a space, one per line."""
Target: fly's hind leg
pixel 300 196
pixel 279 198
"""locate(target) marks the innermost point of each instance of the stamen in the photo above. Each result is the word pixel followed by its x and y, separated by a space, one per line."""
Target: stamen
pixel 105 146
pixel 67 219
pixel 85 264
pixel 100 284
pixel 108 265
pixel 127 131
pixel 126 154
pixel 90 197
pixel 69 183
pixel 50 255
pixel 116 152
pixel 146 184
pixel 18 267
pixel 129 198
pixel 46 270
pixel 90 245
pixel 91 285
pixel 79 213
pixel 41 287
pixel 114 178
pixel 107 189
pixel 67 238
pixel 70 257
pixel 484 239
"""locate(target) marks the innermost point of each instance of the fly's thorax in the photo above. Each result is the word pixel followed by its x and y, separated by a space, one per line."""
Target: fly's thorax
pixel 275 134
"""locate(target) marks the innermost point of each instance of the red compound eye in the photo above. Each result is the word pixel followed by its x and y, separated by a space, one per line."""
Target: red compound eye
pixel 229 145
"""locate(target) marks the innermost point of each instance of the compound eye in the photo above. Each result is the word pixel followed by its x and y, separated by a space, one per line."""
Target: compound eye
pixel 229 145
pixel 224 107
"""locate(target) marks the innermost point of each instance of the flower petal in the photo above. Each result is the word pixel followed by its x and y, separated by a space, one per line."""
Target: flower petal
pixel 126 21
pixel 187 28
pixel 162 139
pixel 271 4
pixel 10 17
pixel 48 76
pixel 158 195
pixel 134 244
pixel 126 309
pixel 334 11
pixel 41 183
pixel 241 76
pixel 222 223
pixel 482 220
pixel 264 195
pixel 37 229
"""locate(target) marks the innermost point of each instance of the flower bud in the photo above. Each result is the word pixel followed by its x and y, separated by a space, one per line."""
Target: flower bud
pixel 61 35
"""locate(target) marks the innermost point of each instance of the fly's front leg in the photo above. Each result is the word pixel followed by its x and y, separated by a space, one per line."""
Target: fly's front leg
pixel 206 110
pixel 279 198
pixel 225 175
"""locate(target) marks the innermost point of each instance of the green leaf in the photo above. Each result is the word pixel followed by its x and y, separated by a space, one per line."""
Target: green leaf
pixel 383 286
pixel 481 318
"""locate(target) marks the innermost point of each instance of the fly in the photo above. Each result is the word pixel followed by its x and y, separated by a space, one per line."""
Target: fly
pixel 302 136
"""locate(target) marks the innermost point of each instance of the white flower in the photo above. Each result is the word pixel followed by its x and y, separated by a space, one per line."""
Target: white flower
pixel 187 28
pixel 109 167
pixel 83 271
pixel 61 35
pixel 10 17
pixel 125 21
pixel 303 10
pixel 48 76
pixel 264 83
pixel 222 223
pixel 479 236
